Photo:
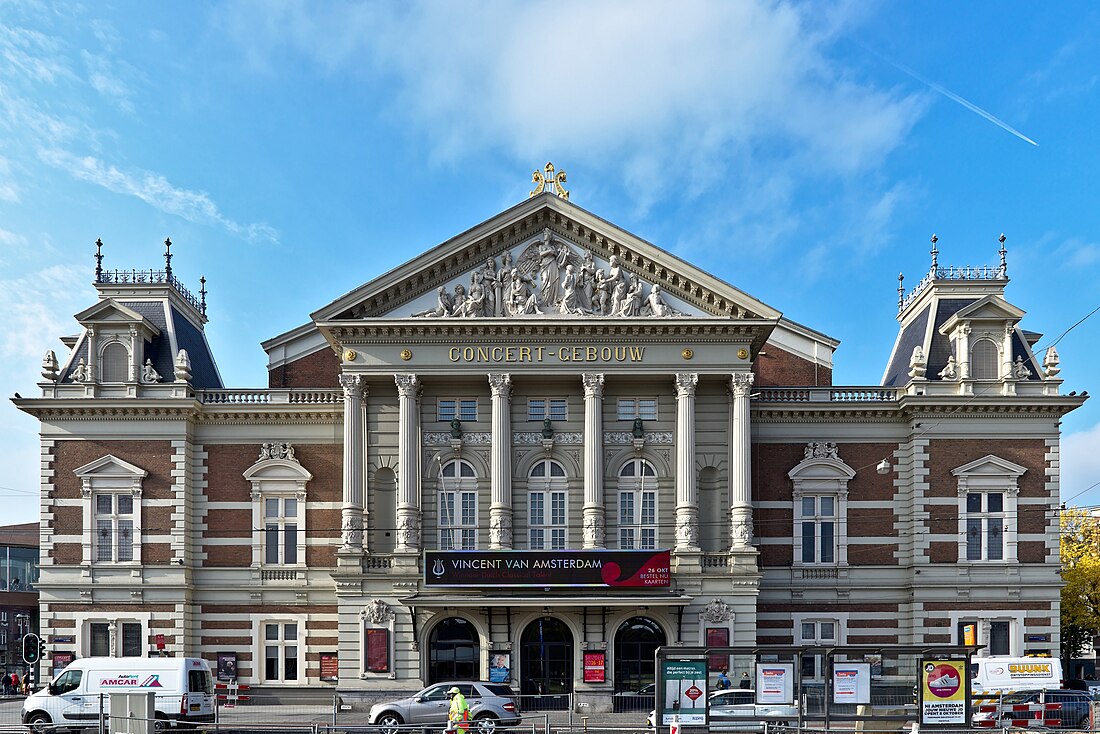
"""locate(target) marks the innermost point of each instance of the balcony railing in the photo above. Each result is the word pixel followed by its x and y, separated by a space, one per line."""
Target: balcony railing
pixel 274 396
pixel 828 394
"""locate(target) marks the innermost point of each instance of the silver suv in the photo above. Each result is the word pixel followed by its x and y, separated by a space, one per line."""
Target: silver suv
pixel 491 705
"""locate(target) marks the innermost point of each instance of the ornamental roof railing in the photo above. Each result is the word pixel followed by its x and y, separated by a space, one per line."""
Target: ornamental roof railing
pixel 953 272
pixel 153 277
pixel 828 394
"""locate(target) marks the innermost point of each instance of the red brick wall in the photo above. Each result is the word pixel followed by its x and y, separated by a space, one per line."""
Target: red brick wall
pixel 154 457
pixel 775 367
pixel 945 455
pixel 320 369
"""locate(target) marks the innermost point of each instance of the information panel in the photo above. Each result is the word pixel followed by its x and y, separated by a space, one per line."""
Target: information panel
pixel 606 568
pixel 685 692
pixel 775 683
pixel 943 692
pixel 851 682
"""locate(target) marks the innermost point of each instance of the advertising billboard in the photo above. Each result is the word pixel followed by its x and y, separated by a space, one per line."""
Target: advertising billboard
pixel 943 692
pixel 684 696
pixel 607 568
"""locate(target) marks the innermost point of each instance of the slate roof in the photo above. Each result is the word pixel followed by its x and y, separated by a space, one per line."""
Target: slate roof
pixel 912 335
pixel 204 372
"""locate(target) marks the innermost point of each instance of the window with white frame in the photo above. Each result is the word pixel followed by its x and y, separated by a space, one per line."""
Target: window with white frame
pixel 114 637
pixel 278 507
pixel 988 489
pixel 281 651
pixel 280 530
pixel 465 409
pixel 114 527
pixel 820 496
pixel 822 632
pixel 637 517
pixel 546 506
pixel 457 506
pixel 115 363
pixel 112 490
pixel 539 409
pixel 997 635
pixel 631 408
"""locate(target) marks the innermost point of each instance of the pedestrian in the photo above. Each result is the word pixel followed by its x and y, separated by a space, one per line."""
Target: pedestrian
pixel 7 685
pixel 27 683
pixel 459 717
pixel 723 683
pixel 745 682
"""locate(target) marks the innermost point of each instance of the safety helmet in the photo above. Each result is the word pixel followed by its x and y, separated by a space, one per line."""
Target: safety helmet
pixel 453 691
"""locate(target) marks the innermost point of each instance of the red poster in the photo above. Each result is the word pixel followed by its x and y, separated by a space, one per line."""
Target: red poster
pixel 595 668
pixel 378 651
pixel 330 666
pixel 160 642
pixel 718 637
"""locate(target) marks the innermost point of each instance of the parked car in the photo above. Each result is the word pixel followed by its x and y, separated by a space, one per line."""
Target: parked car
pixel 737 710
pixel 630 701
pixel 1074 710
pixel 491 705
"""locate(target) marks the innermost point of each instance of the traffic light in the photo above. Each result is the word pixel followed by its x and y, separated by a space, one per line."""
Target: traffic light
pixel 31 649
pixel 41 648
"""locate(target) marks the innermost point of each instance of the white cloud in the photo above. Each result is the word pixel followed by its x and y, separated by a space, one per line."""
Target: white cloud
pixel 37 307
pixel 156 191
pixel 1081 467
pixel 107 80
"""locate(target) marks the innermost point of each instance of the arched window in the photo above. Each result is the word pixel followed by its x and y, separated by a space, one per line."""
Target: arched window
pixel 457 506
pixel 116 363
pixel 636 641
pixel 637 505
pixel 453 651
pixel 983 360
pixel 546 506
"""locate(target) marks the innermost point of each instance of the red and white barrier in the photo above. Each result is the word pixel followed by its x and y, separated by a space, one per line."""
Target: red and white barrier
pixel 229 694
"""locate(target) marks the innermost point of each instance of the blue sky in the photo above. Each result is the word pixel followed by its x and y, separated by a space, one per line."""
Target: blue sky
pixel 294 150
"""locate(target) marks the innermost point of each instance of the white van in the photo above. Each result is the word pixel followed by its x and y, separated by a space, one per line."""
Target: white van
pixel 995 675
pixel 184 691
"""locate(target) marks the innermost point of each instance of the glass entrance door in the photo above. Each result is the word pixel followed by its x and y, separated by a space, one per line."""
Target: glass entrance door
pixel 546 668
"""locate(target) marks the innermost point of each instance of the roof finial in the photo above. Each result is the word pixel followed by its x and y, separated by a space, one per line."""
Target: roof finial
pixel 901 290
pixel 935 254
pixel 168 259
pixel 98 259
pixel 202 294
pixel 1003 252
pixel 549 177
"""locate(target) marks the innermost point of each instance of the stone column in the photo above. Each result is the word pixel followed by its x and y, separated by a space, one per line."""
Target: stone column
pixel 962 351
pixel 408 464
pixel 594 523
pixel 687 500
pixel 351 512
pixel 740 461
pixel 1006 350
pixel 500 457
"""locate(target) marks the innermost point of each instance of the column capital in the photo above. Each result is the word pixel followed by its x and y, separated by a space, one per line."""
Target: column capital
pixel 355 386
pixel 408 385
pixel 593 384
pixel 501 384
pixel 741 384
pixel 685 384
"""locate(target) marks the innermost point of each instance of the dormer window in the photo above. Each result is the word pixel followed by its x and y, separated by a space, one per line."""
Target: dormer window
pixel 115 363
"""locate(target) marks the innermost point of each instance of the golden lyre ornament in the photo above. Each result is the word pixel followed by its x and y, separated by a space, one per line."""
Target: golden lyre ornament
pixel 547 176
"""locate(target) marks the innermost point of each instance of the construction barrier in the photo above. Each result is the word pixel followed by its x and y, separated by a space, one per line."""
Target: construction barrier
pixel 1020 715
pixel 229 694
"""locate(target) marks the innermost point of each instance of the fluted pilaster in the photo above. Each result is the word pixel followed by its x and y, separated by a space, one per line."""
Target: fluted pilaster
pixel 351 511
pixel 500 457
pixel 408 463
pixel 687 501
pixel 594 521
pixel 740 461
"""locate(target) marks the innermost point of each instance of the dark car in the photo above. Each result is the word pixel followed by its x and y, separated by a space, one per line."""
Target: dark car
pixel 1065 709
pixel 491 705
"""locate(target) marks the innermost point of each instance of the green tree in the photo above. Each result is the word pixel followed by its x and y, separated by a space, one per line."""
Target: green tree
pixel 1080 556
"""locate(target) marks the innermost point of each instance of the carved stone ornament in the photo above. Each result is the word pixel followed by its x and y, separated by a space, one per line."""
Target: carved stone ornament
pixel 530 438
pixel 149 373
pixel 277 451
pixel 355 387
pixel 1020 370
pixel 593 531
pixel 352 532
pixel 686 383
pixel 378 612
pixel 550 277
pixel 49 366
pixel 438 438
pixel 627 437
pixel 81 373
pixel 687 531
pixel 500 530
pixel 950 372
pixel 593 384
pixel 741 531
pixel 1051 362
pixel 717 611
pixel 918 365
pixel 408 531
pixel 183 366
pixel 821 450
pixel 741 384
pixel 500 384
pixel 407 385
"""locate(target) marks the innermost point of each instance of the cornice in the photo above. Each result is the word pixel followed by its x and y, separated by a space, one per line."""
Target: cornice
pixel 282 416
pixel 910 409
pixel 594 328
pixel 91 409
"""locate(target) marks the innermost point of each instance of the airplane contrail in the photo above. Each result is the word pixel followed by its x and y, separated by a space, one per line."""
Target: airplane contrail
pixel 954 97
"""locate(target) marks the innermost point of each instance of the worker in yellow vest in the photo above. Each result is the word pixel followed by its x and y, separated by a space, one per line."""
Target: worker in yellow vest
pixel 459 716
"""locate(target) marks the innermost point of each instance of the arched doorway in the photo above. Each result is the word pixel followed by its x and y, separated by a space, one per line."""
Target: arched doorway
pixel 546 659
pixel 453 651
pixel 636 641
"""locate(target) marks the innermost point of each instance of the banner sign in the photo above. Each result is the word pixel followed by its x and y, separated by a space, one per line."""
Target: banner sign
pixel 684 698
pixel 595 667
pixel 943 686
pixel 606 568
pixel 500 667
pixel 775 683
pixel 851 683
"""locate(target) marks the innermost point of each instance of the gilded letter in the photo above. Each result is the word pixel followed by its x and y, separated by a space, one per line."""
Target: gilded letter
pixel 636 354
pixel 525 354
pixel 590 354
pixel 452 353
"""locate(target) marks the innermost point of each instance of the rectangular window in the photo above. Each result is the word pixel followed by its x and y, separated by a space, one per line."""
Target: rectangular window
pixel 638 519
pixel 818 529
pixel 985 520
pixel 100 639
pixel 465 409
pixel 114 527
pixel 631 408
pixel 539 409
pixel 547 526
pixel 280 530
pixel 280 651
pixel 999 643
pixel 131 640
pixel 458 520
pixel 816 632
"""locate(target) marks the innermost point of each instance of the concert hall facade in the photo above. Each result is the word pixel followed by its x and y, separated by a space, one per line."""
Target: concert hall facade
pixel 533 454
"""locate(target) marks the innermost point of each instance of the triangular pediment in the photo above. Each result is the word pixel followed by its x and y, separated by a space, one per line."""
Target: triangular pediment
pixel 110 466
pixel 989 308
pixel 545 258
pixel 108 311
pixel 989 466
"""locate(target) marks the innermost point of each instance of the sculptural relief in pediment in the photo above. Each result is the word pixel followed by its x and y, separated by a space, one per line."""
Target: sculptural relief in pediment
pixel 550 277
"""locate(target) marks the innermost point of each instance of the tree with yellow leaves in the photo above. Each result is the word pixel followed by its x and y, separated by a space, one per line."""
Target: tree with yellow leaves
pixel 1080 555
